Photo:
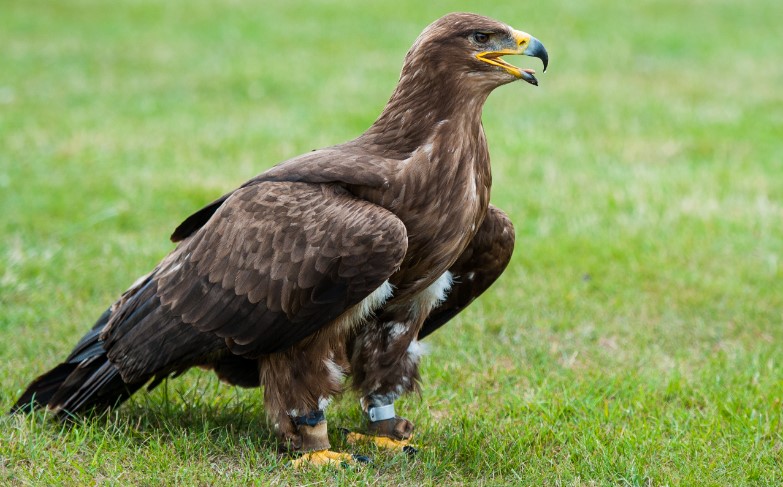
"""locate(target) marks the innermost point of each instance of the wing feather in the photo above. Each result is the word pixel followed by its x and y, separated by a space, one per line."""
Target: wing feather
pixel 279 260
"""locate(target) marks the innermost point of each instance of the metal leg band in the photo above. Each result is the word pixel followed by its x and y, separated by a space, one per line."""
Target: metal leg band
pixel 380 413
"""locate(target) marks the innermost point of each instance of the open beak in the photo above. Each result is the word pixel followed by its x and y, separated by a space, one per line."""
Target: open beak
pixel 526 45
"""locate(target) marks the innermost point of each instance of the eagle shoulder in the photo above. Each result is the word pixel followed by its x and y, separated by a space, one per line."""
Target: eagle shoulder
pixel 334 165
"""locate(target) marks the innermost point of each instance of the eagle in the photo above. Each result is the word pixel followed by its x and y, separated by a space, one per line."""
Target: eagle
pixel 329 265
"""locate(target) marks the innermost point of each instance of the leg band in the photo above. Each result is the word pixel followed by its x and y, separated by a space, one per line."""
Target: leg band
pixel 310 419
pixel 380 413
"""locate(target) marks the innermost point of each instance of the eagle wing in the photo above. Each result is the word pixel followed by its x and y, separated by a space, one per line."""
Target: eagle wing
pixel 482 262
pixel 275 263
pixel 324 166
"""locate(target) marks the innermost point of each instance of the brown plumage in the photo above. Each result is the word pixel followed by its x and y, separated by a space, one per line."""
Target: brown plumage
pixel 329 264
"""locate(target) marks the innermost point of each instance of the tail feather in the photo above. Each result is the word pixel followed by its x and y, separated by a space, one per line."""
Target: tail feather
pixel 87 346
pixel 132 342
pixel 93 386
pixel 40 392
pixel 85 381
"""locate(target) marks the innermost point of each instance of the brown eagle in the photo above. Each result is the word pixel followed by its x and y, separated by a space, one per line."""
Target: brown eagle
pixel 330 264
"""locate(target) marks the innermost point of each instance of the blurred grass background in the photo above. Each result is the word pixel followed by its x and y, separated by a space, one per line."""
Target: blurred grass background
pixel 635 338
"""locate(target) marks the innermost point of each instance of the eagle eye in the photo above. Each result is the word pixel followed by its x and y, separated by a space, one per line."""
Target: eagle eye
pixel 481 37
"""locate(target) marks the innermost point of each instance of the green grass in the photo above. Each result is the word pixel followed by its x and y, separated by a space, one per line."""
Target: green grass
pixel 634 340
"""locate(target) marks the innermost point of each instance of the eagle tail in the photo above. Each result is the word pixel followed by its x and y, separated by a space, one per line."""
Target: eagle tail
pixel 85 381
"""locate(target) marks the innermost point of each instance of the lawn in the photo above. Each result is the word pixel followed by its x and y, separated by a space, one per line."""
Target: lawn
pixel 634 340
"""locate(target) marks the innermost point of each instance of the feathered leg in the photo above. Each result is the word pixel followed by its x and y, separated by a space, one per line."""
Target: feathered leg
pixel 385 362
pixel 298 385
pixel 385 365
pixel 386 354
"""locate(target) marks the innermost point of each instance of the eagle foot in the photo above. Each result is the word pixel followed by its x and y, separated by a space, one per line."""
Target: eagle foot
pixel 327 457
pixel 393 434
pixel 382 442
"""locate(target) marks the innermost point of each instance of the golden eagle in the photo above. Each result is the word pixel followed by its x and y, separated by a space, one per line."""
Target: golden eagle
pixel 330 264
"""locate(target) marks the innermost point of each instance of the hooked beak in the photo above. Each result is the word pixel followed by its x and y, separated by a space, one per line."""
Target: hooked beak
pixel 526 45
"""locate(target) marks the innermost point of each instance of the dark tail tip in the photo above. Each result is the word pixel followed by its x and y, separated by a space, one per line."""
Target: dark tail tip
pixel 42 389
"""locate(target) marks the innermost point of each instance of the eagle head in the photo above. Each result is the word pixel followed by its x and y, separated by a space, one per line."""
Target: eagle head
pixel 472 45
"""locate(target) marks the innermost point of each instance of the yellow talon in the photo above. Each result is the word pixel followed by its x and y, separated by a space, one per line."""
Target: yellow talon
pixel 326 457
pixel 381 442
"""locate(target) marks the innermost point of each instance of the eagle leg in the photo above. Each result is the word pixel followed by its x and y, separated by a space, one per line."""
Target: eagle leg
pixel 385 365
pixel 385 358
pixel 298 385
pixel 395 428
pixel 312 429
pixel 386 430
pixel 385 355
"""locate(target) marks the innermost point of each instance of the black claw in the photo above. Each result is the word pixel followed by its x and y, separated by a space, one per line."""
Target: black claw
pixel 409 450
pixel 362 458
pixel 344 432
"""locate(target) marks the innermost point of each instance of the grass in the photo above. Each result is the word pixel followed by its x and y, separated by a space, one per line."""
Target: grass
pixel 634 340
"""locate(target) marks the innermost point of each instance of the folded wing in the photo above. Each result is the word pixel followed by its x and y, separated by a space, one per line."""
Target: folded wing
pixel 275 263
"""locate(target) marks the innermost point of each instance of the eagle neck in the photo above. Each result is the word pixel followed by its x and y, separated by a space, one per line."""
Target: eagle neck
pixel 418 105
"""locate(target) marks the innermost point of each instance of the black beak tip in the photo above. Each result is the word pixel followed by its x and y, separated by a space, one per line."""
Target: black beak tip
pixel 528 77
pixel 536 49
pixel 543 56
